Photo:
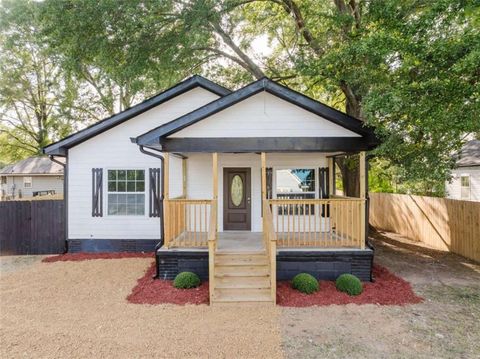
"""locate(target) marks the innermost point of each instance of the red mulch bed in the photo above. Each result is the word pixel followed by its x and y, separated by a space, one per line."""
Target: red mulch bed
pixel 75 257
pixel 388 289
pixel 157 291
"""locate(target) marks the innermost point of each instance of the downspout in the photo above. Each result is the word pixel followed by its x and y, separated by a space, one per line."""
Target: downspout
pixel 162 228
pixel 367 216
pixel 65 195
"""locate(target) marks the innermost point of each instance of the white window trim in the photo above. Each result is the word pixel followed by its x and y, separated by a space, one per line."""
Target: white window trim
pixel 105 190
pixel 25 182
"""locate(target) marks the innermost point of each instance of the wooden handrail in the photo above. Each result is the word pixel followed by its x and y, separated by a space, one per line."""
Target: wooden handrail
pixel 329 222
pixel 212 245
pixel 270 242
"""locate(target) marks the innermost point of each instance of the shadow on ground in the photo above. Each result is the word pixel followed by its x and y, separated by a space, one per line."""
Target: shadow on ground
pixel 446 325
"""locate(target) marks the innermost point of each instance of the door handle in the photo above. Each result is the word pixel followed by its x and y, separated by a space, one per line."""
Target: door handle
pixel 248 199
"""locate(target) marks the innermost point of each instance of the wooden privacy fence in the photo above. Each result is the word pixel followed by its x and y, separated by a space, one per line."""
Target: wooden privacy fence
pixel 440 223
pixel 32 227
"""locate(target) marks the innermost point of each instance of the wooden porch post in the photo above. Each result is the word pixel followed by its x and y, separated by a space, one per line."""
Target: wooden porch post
pixel 215 181
pixel 331 176
pixel 363 196
pixel 264 176
pixel 166 196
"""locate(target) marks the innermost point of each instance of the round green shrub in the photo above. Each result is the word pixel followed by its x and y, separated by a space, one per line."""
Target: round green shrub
pixel 349 284
pixel 186 280
pixel 305 283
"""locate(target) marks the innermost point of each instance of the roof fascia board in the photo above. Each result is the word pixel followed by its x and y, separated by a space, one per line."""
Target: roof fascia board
pixel 59 148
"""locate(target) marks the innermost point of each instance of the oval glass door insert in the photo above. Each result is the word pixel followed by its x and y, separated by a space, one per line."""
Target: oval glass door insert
pixel 237 190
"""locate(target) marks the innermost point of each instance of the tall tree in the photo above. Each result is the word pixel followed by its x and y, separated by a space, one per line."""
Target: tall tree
pixel 37 100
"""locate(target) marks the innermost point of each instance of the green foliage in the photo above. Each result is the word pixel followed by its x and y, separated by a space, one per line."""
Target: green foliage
pixel 349 284
pixel 409 68
pixel 186 280
pixel 305 283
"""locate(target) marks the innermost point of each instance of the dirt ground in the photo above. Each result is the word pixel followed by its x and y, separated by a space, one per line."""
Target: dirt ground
pixel 445 325
pixel 78 309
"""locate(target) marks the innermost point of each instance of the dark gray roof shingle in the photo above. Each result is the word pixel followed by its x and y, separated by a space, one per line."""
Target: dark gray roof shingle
pixel 33 165
pixel 469 155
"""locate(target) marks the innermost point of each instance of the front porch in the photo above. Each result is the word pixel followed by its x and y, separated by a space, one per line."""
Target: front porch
pixel 324 236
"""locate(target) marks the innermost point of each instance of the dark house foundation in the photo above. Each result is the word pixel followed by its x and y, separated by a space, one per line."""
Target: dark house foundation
pixel 111 245
pixel 322 264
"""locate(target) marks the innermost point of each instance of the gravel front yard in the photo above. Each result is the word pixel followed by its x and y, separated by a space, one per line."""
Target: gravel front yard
pixel 79 309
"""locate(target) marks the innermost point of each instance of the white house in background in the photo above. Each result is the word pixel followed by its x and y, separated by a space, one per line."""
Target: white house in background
pixel 200 174
pixel 465 184
pixel 31 177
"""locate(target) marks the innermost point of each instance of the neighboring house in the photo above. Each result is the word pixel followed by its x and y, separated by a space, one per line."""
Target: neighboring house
pixel 31 177
pixel 199 173
pixel 465 183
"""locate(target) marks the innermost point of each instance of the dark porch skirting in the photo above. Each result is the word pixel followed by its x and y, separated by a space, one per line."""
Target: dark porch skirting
pixel 111 245
pixel 323 264
pixel 171 262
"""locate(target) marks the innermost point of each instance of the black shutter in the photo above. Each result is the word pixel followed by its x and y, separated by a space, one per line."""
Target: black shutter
pixel 155 195
pixel 97 192
pixel 323 182
pixel 324 185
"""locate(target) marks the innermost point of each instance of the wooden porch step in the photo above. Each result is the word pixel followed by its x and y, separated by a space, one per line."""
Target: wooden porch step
pixel 242 295
pixel 242 271
pixel 242 282
pixel 241 260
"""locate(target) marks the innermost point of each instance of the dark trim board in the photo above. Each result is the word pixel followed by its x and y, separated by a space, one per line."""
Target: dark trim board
pixel 59 148
pixel 264 144
pixel 111 245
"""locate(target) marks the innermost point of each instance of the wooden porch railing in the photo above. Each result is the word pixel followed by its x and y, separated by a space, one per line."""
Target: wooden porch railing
pixel 212 247
pixel 270 242
pixel 187 222
pixel 335 222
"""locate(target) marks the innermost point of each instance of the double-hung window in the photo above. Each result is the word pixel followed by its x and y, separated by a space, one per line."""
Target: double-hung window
pixel 27 182
pixel 465 187
pixel 126 192
pixel 296 183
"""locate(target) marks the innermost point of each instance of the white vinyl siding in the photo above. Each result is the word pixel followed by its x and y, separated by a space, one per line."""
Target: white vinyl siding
pixel 113 149
pixel 39 183
pixel 264 115
pixel 454 188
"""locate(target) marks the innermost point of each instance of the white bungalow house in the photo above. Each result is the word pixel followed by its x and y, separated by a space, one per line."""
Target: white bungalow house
pixel 32 177
pixel 465 182
pixel 233 185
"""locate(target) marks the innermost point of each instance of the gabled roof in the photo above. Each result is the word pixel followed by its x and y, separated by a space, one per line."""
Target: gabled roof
pixel 152 137
pixel 33 165
pixel 59 148
pixel 469 154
